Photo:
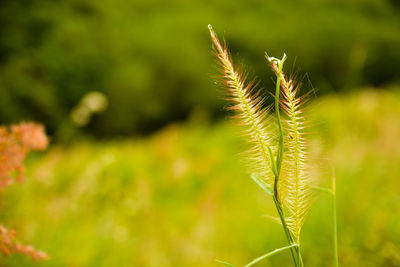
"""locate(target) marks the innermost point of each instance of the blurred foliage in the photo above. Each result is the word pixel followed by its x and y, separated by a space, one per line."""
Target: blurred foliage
pixel 153 58
pixel 182 198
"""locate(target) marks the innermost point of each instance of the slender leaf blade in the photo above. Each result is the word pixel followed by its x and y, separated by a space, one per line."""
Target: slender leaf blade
pixel 264 186
pixel 225 263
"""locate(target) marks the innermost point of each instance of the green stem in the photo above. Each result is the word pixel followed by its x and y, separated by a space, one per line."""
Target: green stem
pixel 269 254
pixel 335 239
pixel 294 250
pixel 332 192
pixel 285 228
pixel 278 116
pixel 299 258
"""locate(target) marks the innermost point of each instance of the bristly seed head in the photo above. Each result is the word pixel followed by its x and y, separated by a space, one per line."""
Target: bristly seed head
pixel 293 187
pixel 248 105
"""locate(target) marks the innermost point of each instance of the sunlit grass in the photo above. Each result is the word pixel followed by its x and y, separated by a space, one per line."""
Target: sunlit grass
pixel 182 198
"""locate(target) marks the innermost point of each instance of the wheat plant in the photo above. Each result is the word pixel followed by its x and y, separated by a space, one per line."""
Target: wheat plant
pixel 278 156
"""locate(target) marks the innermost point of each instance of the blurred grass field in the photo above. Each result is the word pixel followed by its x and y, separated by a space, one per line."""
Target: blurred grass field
pixel 182 197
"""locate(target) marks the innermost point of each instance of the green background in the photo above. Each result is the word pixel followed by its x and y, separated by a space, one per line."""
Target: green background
pixel 157 179
pixel 153 59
